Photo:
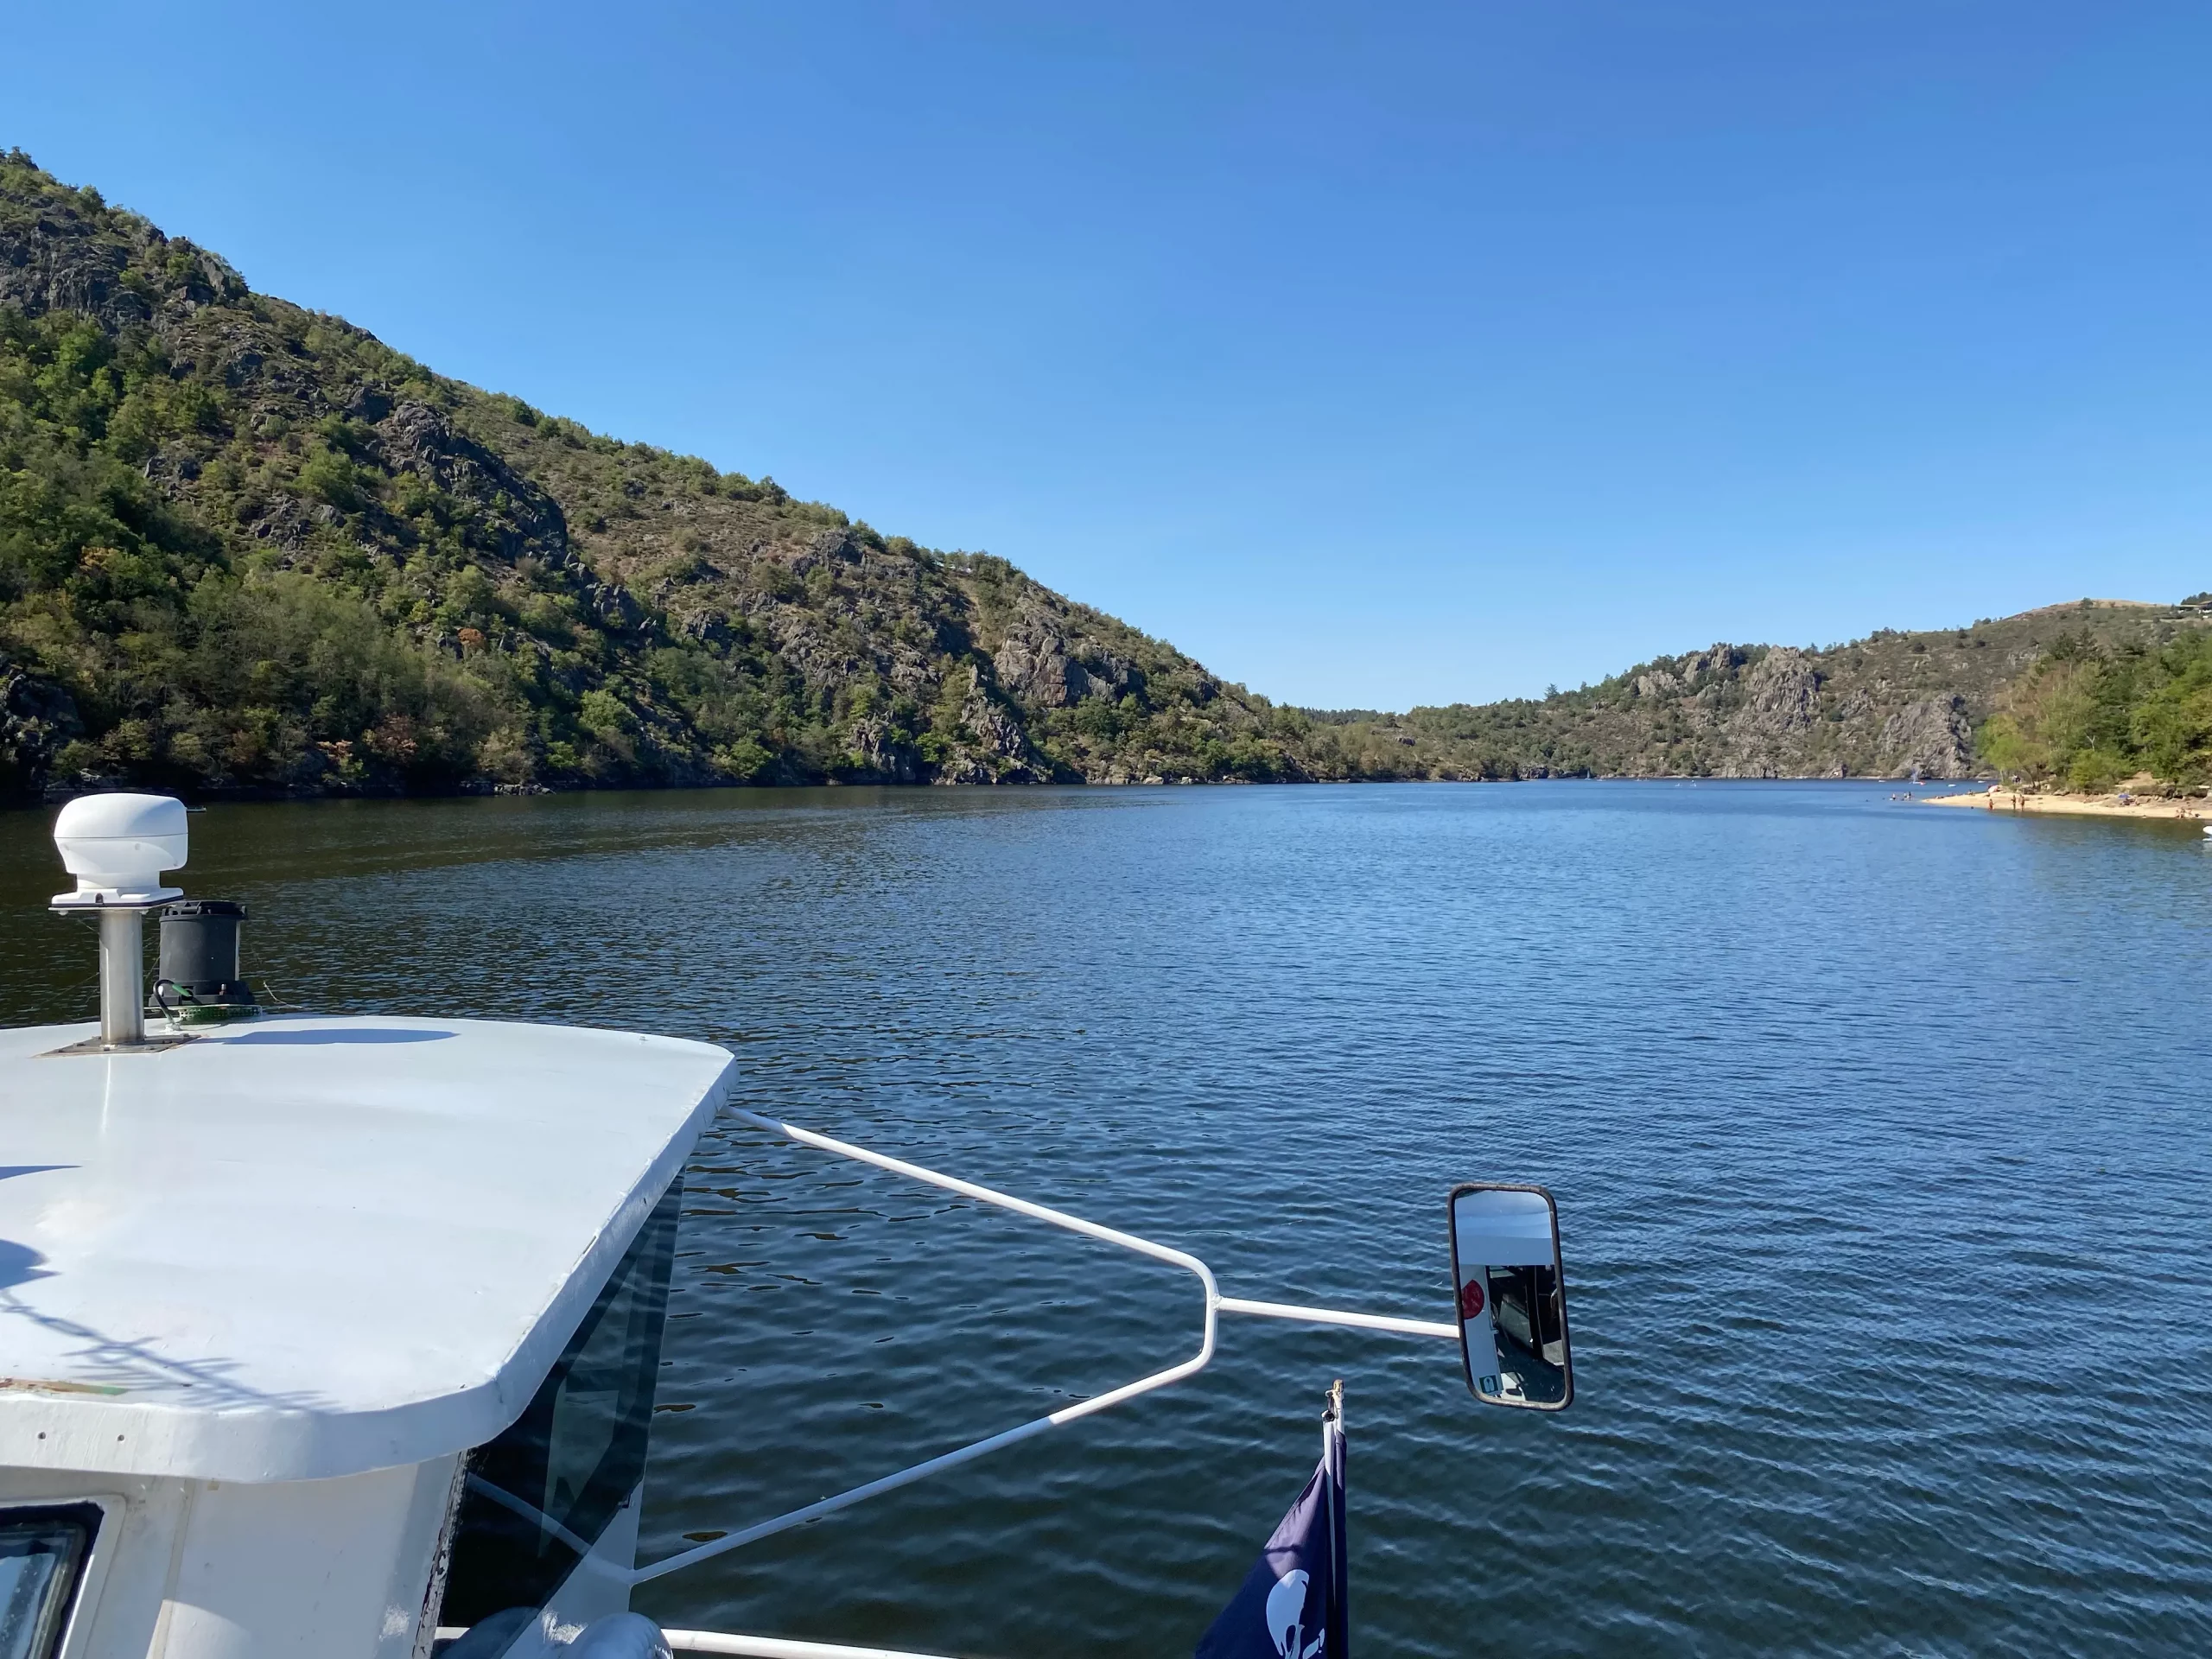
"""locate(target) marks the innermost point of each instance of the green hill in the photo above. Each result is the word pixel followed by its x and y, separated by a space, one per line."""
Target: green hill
pixel 246 547
pixel 2085 693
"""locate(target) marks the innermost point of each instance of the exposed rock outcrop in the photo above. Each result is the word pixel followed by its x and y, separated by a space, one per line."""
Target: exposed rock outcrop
pixel 1930 736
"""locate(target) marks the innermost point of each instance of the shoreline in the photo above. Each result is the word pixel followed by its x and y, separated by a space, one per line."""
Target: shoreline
pixel 2076 806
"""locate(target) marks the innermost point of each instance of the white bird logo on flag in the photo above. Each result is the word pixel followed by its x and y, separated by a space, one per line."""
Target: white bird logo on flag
pixel 1286 1617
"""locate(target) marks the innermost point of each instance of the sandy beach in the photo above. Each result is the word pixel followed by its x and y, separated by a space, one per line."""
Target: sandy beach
pixel 2076 806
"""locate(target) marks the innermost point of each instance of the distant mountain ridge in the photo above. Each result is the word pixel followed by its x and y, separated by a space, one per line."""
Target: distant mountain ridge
pixel 1888 705
pixel 249 548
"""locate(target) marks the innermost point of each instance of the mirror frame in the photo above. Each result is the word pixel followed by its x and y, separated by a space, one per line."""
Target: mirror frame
pixel 1558 1269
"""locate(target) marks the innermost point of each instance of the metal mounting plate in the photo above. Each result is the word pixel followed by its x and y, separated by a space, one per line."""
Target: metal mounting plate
pixel 93 1045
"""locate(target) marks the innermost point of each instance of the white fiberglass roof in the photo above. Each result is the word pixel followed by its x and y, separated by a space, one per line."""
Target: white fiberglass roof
pixel 311 1247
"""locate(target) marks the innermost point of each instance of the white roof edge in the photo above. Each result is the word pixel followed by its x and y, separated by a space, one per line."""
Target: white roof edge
pixel 55 1423
pixel 252 1446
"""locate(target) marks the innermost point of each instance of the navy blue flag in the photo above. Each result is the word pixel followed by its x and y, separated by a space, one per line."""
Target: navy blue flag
pixel 1293 1605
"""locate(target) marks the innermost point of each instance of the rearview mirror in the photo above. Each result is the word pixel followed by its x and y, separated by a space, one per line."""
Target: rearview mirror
pixel 1505 1267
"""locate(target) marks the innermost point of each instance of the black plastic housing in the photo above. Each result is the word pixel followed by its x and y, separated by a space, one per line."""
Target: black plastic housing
pixel 198 976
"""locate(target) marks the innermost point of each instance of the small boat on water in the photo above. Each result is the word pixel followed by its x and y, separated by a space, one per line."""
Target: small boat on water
pixel 336 1338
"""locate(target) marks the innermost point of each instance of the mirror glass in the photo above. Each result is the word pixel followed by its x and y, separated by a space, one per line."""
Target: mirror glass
pixel 1512 1296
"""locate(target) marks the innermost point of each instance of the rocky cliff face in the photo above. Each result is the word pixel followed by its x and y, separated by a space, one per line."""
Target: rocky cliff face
pixel 1931 737
pixel 1786 716
pixel 1886 706
pixel 63 252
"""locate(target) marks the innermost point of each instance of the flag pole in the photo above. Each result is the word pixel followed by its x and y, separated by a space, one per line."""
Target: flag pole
pixel 1292 1604
pixel 1332 1457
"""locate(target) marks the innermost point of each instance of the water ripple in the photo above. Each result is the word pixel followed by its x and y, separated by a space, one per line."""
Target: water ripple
pixel 1876 1131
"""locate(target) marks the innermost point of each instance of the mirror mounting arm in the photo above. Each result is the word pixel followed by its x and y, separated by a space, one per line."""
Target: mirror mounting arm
pixel 1339 1316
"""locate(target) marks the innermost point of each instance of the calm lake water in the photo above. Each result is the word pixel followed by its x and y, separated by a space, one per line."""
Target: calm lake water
pixel 1879 1132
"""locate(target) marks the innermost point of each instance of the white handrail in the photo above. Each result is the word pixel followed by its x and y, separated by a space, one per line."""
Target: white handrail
pixel 1215 1304
pixel 752 1647
pixel 1010 1437
pixel 776 1647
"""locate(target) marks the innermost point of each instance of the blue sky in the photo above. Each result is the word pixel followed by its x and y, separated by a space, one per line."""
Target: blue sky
pixel 1375 355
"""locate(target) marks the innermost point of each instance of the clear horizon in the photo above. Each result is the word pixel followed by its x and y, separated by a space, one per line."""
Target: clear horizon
pixel 1372 361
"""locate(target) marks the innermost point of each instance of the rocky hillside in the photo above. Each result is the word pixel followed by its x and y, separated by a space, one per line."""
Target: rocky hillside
pixel 1880 707
pixel 248 548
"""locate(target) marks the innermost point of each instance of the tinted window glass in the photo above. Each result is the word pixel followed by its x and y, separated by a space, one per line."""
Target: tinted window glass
pixel 42 1554
pixel 541 1494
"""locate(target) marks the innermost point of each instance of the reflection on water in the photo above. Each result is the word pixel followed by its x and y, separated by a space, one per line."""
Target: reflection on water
pixel 1763 1042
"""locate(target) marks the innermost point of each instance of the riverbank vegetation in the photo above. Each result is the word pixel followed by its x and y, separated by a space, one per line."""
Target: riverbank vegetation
pixel 2089 715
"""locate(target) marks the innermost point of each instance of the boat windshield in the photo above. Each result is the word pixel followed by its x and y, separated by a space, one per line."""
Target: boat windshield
pixel 538 1497
pixel 42 1552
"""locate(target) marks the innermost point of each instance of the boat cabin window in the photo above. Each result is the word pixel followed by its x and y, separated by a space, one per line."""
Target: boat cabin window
pixel 42 1554
pixel 537 1498
pixel 1529 1316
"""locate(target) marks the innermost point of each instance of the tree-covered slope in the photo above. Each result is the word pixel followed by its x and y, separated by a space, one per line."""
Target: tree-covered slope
pixel 2090 714
pixel 246 546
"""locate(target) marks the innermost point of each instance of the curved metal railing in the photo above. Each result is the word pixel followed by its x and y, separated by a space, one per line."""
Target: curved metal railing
pixel 1215 1305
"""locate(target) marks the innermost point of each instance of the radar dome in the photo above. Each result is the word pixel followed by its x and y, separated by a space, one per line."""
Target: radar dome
pixel 117 846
